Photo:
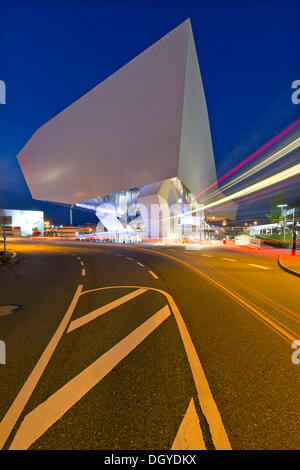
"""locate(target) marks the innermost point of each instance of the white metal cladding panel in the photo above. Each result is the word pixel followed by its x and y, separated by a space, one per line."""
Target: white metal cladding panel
pixel 196 162
pixel 122 134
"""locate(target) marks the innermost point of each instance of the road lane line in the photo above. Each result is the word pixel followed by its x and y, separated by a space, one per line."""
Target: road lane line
pixel 83 272
pixel 153 275
pixel 258 266
pixel 127 257
pixel 140 264
pixel 106 308
pixel 229 259
pixel 207 256
pixel 36 423
pixel 16 408
pixel 82 263
pixel 260 315
pixel 189 435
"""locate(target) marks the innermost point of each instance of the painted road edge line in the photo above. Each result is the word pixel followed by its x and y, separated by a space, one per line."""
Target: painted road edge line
pixel 16 408
pixel 41 418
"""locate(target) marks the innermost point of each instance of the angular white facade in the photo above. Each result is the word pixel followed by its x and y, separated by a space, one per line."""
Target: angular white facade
pixel 145 123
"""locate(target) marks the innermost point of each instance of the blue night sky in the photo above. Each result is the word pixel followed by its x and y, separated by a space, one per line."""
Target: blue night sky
pixel 52 52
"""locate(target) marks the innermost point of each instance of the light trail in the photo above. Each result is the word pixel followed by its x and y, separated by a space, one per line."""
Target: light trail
pixel 266 191
pixel 260 166
pixel 281 176
pixel 248 159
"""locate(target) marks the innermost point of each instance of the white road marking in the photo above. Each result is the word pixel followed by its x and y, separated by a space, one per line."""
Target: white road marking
pixel 82 263
pixel 258 266
pixel 78 257
pixel 16 408
pixel 118 254
pixel 140 264
pixel 208 256
pixel 206 400
pixel 127 257
pixel 36 423
pixel 229 259
pixel 83 272
pixel 153 274
pixel 174 251
pixel 106 308
pixel 189 435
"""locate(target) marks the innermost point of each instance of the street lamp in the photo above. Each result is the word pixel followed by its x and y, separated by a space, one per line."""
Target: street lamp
pixel 284 225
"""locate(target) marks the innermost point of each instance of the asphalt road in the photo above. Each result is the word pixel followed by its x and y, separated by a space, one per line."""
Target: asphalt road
pixel 121 347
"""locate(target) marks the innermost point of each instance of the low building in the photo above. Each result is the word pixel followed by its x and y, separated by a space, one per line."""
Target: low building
pixel 68 231
pixel 24 222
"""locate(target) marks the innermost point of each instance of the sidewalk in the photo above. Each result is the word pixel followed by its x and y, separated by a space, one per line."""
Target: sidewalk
pixel 290 263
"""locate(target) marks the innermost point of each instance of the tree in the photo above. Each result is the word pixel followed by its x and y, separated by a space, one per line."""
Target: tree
pixel 275 212
pixel 36 232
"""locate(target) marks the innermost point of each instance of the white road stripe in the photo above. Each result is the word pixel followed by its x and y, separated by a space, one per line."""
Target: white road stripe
pixel 127 257
pixel 258 266
pixel 106 308
pixel 229 259
pixel 206 400
pixel 189 435
pixel 36 423
pixel 83 272
pixel 140 264
pixel 208 256
pixel 16 408
pixel 82 263
pixel 154 275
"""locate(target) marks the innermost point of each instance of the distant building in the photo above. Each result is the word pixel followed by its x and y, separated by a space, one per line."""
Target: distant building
pixel 24 222
pixel 66 231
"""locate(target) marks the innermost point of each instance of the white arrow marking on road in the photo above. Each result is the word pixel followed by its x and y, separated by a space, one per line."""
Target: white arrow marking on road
pixel 36 423
pixel 106 308
pixel 189 435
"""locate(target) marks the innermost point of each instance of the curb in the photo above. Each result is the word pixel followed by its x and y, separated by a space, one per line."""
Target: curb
pixel 14 259
pixel 288 270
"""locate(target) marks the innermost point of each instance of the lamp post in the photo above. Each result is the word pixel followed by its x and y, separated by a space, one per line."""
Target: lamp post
pixel 292 212
pixel 284 224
